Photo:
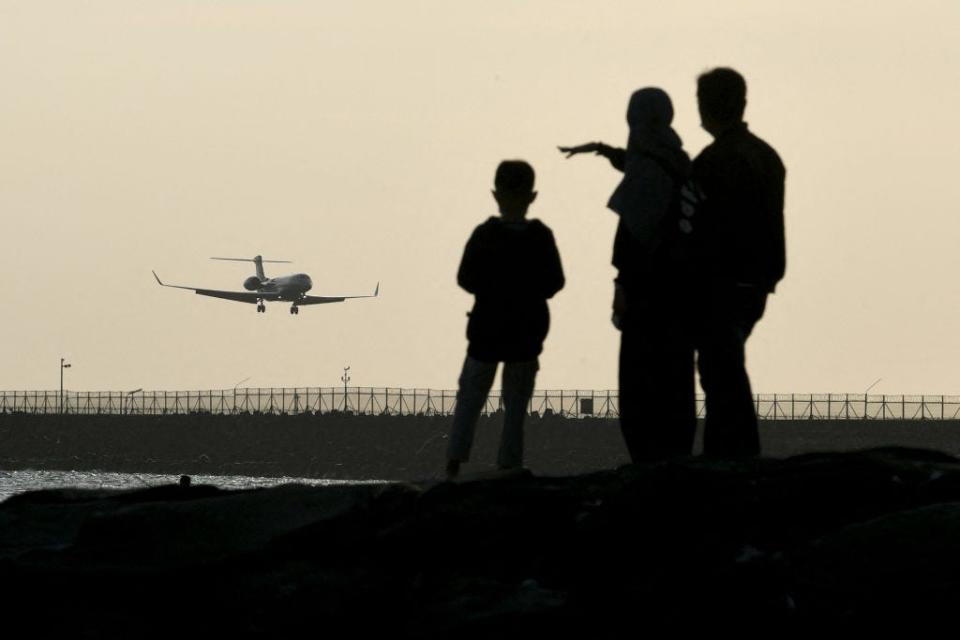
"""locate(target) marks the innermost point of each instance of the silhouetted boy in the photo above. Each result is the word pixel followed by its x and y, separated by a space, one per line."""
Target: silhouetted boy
pixel 736 208
pixel 511 265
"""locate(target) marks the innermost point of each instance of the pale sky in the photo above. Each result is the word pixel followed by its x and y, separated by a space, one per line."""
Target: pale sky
pixel 359 139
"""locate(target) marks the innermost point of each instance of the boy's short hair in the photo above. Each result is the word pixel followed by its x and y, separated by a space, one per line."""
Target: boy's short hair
pixel 514 176
pixel 722 93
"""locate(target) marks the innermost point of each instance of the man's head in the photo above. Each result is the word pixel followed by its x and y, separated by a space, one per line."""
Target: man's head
pixel 722 98
pixel 514 188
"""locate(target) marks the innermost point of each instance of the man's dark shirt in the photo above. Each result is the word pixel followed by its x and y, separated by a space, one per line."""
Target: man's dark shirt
pixel 738 228
pixel 512 269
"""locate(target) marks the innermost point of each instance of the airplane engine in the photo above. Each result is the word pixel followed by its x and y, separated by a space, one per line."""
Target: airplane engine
pixel 252 283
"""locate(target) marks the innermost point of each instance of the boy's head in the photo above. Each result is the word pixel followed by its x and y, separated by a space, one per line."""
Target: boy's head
pixel 514 188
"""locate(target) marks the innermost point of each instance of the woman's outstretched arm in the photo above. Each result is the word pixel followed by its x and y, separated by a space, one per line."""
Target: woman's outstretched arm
pixel 616 156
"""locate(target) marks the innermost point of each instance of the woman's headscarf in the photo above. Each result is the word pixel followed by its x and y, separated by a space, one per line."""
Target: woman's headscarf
pixel 655 164
pixel 649 115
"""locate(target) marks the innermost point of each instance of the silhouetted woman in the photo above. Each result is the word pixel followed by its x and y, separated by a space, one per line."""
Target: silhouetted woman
pixel 653 289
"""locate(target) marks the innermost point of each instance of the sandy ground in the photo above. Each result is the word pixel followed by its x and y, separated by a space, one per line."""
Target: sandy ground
pixel 383 447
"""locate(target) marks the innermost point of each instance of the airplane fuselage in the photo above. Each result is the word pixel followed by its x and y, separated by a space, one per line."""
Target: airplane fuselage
pixel 290 288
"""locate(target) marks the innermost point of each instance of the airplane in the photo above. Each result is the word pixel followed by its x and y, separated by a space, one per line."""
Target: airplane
pixel 261 289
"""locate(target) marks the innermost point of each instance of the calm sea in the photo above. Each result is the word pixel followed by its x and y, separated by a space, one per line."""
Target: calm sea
pixel 14 482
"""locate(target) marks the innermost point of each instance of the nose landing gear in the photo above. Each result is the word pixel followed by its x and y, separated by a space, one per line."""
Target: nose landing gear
pixel 261 308
pixel 294 310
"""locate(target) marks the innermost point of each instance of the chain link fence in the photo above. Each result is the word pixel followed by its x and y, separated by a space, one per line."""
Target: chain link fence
pixel 432 402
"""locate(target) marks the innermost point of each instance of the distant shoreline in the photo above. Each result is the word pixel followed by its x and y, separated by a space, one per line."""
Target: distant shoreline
pixel 357 447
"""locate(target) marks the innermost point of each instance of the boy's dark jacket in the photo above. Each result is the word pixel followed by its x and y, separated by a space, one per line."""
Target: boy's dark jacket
pixel 512 269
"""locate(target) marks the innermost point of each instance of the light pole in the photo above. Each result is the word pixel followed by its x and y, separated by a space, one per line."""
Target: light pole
pixel 345 378
pixel 235 393
pixel 866 397
pixel 126 398
pixel 63 365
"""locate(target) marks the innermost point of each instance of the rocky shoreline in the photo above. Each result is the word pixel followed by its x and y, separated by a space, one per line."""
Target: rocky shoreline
pixel 856 538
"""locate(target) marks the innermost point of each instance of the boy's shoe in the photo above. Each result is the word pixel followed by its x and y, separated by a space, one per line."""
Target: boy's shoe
pixel 453 469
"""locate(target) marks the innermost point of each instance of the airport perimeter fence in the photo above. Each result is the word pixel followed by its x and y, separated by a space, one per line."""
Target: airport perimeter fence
pixel 430 402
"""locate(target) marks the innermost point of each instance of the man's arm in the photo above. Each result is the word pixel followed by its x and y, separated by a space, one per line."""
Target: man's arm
pixel 777 266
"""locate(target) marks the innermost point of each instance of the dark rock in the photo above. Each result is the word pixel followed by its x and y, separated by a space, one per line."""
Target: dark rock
pixel 854 537
pixel 907 561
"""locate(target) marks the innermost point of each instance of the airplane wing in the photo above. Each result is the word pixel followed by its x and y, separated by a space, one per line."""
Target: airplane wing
pixel 239 296
pixel 327 299
pixel 318 300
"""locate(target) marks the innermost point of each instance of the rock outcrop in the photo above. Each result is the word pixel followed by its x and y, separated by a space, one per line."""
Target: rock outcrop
pixel 851 538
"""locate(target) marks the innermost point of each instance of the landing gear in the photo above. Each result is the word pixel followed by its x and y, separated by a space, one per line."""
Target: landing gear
pixel 294 310
pixel 261 308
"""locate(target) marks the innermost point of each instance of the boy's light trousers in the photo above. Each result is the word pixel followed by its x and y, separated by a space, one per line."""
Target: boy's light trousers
pixel 476 378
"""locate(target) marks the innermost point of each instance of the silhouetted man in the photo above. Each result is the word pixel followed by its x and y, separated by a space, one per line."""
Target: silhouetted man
pixel 734 206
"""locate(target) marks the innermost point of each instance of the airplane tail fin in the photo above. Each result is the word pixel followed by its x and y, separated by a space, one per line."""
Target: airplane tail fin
pixel 257 260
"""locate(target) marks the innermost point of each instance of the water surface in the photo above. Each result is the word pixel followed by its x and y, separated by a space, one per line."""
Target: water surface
pixel 14 482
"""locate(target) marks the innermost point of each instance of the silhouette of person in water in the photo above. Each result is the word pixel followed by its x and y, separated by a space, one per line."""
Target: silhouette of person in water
pixel 653 288
pixel 734 206
pixel 512 267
